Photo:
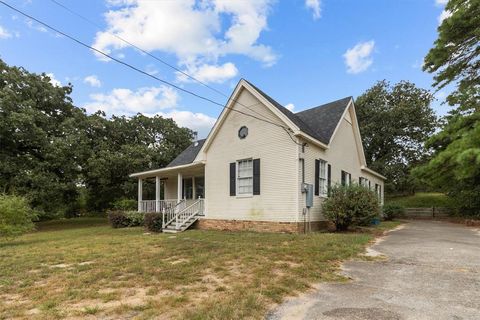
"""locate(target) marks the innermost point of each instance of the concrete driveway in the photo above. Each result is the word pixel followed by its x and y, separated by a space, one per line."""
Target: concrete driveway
pixel 432 271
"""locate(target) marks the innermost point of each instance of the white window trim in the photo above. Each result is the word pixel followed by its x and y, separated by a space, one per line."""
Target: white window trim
pixel 237 179
pixel 348 178
pixel 323 190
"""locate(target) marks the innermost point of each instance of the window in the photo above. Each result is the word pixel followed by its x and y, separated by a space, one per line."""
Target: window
pixel 346 178
pixel 378 191
pixel 322 177
pixel 245 177
pixel 364 182
pixel 199 187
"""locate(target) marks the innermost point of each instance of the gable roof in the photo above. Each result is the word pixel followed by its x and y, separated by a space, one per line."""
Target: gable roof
pixel 319 122
pixel 323 119
pixel 188 155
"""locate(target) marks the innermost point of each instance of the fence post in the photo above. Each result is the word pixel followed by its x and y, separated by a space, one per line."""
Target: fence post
pixel 433 212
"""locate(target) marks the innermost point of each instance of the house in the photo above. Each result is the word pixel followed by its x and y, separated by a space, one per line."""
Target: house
pixel 250 173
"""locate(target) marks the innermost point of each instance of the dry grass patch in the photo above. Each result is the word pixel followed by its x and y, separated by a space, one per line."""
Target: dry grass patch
pixel 84 269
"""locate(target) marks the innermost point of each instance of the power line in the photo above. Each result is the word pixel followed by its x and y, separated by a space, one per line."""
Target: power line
pixel 152 56
pixel 133 67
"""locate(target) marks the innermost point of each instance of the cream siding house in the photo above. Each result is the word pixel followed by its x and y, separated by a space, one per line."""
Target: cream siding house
pixel 250 172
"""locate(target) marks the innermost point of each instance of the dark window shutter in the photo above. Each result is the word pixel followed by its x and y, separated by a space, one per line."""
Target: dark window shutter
pixel 256 176
pixel 349 179
pixel 343 178
pixel 329 178
pixel 232 179
pixel 317 176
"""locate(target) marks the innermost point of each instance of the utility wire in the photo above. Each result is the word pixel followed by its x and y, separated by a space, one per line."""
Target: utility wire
pixel 131 66
pixel 58 3
pixel 141 71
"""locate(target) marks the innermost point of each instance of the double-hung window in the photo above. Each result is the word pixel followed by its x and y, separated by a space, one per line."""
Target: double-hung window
pixel 346 178
pixel 322 177
pixel 245 177
pixel 364 182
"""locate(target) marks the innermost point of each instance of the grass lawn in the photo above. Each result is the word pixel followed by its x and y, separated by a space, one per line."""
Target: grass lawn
pixel 82 268
pixel 422 200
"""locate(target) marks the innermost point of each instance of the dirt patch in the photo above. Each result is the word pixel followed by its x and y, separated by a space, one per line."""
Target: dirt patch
pixel 181 260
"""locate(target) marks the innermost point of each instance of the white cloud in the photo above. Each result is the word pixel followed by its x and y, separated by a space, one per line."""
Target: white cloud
pixel 4 34
pixel 53 80
pixel 290 106
pixel 441 2
pixel 199 122
pixel 197 32
pixel 444 15
pixel 33 25
pixel 148 100
pixel 93 81
pixel 314 5
pixel 210 73
pixel 358 58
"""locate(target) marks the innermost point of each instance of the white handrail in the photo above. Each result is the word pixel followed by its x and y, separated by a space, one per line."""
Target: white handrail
pixel 170 213
pixel 189 212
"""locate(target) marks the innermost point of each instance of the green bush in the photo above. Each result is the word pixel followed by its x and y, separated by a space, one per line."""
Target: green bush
pixel 392 210
pixel 153 221
pixel 351 205
pixel 124 219
pixel 125 204
pixel 16 216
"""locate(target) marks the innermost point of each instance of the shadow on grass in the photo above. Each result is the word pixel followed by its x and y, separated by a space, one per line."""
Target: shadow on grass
pixel 72 223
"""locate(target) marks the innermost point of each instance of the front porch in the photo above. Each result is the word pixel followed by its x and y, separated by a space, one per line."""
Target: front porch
pixel 179 194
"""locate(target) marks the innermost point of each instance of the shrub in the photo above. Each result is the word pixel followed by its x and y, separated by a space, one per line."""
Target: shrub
pixel 16 216
pixel 125 204
pixel 124 219
pixel 349 205
pixel 153 221
pixel 392 211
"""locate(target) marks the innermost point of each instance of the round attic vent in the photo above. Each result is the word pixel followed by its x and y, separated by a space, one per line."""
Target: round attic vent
pixel 243 132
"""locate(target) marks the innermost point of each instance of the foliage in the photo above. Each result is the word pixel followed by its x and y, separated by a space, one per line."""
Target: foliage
pixel 394 122
pixel 423 200
pixel 455 59
pixel 52 151
pixel 153 221
pixel 125 204
pixel 349 205
pixel 15 216
pixel 392 211
pixel 124 219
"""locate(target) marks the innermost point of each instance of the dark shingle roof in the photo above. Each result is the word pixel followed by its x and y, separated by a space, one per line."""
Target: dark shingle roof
pixel 323 120
pixel 188 155
pixel 318 122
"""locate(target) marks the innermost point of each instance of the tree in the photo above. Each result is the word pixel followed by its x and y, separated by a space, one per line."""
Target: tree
pixel 395 121
pixel 51 150
pixel 15 216
pixel 454 57
pixel 125 145
pixel 35 158
pixel 455 165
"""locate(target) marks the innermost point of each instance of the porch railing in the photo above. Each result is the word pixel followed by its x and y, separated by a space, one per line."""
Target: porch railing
pixel 194 209
pixel 170 212
pixel 151 205
pixel 148 206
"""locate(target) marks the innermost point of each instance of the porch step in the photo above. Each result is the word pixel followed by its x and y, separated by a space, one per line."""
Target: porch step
pixel 171 228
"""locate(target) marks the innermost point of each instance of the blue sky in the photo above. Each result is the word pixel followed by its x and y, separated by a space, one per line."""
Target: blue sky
pixel 301 52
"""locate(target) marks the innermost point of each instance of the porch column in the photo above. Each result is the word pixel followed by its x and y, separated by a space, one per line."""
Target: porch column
pixel 194 194
pixel 140 194
pixel 157 194
pixel 179 186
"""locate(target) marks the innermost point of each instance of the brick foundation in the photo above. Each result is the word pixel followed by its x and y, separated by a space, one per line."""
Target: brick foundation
pixel 259 226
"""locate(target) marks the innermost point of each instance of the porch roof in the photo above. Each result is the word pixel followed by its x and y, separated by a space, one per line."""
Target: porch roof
pixel 167 171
